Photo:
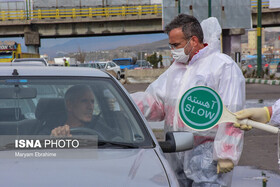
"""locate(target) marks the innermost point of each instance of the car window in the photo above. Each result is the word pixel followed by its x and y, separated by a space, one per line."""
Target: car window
pixel 102 65
pixel 114 118
pixel 112 64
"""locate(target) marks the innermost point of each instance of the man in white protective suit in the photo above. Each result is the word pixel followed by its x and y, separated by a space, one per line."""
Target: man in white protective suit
pixel 198 61
pixel 269 114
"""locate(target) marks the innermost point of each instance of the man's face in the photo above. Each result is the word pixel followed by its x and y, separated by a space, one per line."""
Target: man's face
pixel 177 40
pixel 81 108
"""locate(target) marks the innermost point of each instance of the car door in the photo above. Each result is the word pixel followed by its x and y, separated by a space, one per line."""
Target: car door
pixel 111 67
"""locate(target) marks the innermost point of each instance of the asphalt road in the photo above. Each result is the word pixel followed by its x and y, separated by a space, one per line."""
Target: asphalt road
pixel 260 148
pixel 262 91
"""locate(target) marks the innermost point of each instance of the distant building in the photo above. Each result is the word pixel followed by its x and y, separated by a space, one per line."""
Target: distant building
pixel 253 42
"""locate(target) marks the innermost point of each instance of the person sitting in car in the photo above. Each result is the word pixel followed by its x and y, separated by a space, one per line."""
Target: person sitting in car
pixel 79 104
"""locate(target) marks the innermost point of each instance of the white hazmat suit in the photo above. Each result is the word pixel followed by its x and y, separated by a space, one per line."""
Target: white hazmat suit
pixel 160 101
pixel 275 117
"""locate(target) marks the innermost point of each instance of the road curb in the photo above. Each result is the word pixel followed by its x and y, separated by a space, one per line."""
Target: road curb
pixel 262 81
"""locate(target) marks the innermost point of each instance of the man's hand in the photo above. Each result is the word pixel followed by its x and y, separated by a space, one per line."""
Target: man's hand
pixel 256 114
pixel 61 131
pixel 111 103
pixel 243 127
pixel 224 165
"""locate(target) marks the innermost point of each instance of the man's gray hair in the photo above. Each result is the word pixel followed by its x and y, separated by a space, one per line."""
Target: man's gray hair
pixel 189 24
pixel 75 92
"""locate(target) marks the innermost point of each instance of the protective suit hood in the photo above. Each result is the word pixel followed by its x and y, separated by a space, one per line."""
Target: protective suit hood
pixel 212 32
pixel 275 118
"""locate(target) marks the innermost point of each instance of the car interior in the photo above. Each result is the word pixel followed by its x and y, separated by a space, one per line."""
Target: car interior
pixel 50 112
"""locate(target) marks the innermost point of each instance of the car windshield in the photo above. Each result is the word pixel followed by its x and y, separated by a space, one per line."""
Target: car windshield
pixel 142 63
pixel 122 62
pixel 84 65
pixel 4 54
pixel 102 65
pixel 254 61
pixel 35 106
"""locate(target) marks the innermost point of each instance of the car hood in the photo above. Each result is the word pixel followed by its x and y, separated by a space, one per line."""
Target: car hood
pixel 100 167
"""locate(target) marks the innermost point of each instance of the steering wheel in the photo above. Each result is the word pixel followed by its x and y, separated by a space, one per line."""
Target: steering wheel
pixel 86 131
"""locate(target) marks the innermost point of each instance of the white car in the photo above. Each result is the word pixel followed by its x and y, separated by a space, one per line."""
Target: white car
pixel 112 68
pixel 116 148
pixel 30 61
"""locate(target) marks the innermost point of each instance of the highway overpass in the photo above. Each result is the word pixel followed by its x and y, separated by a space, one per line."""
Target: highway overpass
pixel 98 21
pixel 83 22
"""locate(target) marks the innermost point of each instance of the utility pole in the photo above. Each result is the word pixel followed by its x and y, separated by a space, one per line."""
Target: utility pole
pixel 209 9
pixel 26 9
pixel 259 38
pixel 179 6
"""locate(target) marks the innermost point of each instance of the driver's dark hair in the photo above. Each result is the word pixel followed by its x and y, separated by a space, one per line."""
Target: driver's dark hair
pixel 75 92
pixel 189 24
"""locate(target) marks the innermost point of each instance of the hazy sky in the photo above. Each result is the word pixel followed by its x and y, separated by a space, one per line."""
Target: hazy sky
pixel 94 43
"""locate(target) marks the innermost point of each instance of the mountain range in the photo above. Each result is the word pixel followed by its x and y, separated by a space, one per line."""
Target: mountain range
pixel 55 47
pixel 137 42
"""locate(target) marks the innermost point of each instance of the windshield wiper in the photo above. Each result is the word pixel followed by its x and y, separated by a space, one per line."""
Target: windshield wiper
pixel 9 146
pixel 102 143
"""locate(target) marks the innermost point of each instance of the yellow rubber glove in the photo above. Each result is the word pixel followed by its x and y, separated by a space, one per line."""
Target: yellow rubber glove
pixel 256 114
pixel 224 165
pixel 243 127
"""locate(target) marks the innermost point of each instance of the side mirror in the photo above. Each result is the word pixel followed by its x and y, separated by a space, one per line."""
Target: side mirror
pixel 177 142
pixel 108 67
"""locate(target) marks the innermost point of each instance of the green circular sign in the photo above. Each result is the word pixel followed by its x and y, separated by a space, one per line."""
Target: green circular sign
pixel 200 108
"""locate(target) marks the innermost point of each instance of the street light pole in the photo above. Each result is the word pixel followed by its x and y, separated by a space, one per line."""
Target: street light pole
pixel 209 9
pixel 259 38
pixel 179 6
pixel 26 9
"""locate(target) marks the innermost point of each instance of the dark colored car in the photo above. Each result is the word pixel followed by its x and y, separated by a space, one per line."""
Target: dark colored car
pixel 250 66
pixel 143 64
pixel 278 67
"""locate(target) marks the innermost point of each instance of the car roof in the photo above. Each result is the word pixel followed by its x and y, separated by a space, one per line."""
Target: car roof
pixel 100 62
pixel 52 71
pixel 29 59
pixel 122 59
pixel 24 63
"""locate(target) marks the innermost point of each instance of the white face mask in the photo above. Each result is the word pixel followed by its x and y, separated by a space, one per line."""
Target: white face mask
pixel 180 56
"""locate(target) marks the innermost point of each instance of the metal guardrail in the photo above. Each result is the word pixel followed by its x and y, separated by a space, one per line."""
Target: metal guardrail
pixel 254 3
pixel 82 12
pixel 92 12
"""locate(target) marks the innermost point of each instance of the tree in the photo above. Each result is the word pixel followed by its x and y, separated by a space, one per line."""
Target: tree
pixel 160 60
pixel 153 59
pixel 80 55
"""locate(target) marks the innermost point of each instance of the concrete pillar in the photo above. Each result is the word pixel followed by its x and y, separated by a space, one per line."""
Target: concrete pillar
pixel 32 41
pixel 32 49
pixel 232 41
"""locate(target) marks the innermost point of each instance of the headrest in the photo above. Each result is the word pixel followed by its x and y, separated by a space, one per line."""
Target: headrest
pixel 10 114
pixel 50 109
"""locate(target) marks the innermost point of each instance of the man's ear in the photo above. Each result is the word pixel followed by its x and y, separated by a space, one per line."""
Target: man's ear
pixel 195 41
pixel 69 106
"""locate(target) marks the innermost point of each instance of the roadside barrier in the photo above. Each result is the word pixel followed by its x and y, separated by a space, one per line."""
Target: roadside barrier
pixel 262 81
pixel 143 75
